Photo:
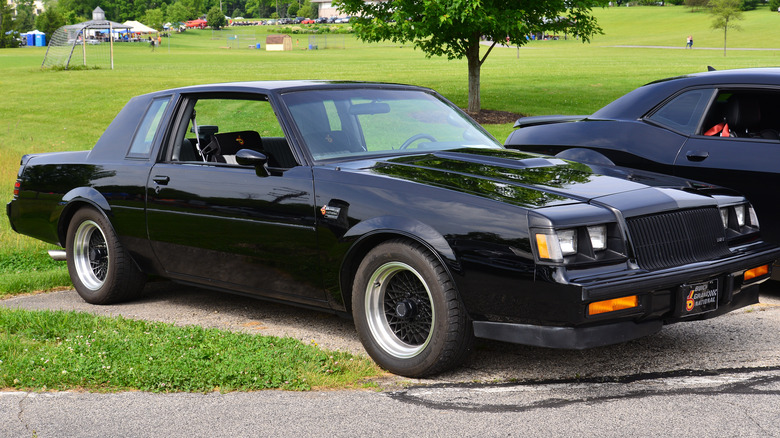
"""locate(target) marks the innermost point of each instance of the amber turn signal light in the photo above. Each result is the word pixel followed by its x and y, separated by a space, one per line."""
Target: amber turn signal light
pixel 17 186
pixel 756 272
pixel 613 305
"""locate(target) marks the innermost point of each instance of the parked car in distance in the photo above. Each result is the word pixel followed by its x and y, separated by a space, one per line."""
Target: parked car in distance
pixel 717 126
pixel 387 203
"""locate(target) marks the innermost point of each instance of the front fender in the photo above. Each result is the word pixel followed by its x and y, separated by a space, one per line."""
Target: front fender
pixel 405 226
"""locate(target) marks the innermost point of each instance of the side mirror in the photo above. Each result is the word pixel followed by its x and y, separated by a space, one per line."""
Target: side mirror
pixel 249 157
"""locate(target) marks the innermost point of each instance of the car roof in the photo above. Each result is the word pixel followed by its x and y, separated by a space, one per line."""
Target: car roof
pixel 277 87
pixel 638 102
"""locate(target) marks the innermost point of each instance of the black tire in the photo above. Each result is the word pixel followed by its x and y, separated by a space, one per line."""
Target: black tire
pixel 407 312
pixel 101 270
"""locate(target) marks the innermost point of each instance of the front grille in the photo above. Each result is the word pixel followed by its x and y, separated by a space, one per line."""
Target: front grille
pixel 677 238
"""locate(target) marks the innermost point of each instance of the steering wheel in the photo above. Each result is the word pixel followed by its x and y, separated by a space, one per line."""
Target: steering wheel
pixel 416 137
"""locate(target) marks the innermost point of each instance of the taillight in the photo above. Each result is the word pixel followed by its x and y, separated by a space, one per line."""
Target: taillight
pixel 17 186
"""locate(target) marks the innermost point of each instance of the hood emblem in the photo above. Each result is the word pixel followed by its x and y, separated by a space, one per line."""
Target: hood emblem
pixel 240 140
pixel 328 138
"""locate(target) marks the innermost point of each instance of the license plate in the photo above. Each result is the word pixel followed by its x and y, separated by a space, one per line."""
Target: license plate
pixel 698 298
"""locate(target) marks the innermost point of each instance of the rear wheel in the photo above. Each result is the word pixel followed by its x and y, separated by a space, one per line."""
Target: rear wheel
pixel 407 311
pixel 101 270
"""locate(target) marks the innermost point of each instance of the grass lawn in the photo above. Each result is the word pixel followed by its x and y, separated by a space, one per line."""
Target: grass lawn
pixel 44 111
pixel 68 350
pixel 68 110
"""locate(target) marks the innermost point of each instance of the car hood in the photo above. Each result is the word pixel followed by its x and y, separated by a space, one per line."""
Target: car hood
pixel 535 181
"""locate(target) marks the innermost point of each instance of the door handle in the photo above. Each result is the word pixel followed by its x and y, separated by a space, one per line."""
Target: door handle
pixel 697 155
pixel 161 179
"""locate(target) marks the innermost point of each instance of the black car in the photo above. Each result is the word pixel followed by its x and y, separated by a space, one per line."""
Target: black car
pixel 718 126
pixel 387 203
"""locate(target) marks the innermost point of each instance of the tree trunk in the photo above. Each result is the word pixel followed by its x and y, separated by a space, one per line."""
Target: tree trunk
pixel 472 56
pixel 725 31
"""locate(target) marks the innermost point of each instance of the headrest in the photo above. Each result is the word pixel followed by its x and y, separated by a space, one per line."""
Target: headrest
pixel 743 112
pixel 232 142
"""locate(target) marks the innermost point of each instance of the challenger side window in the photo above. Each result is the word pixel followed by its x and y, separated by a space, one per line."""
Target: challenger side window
pixel 144 136
pixel 684 112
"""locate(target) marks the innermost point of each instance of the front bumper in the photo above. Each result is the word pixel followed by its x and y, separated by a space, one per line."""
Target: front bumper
pixel 660 298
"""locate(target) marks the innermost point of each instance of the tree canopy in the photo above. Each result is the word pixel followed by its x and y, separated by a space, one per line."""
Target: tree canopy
pixel 146 11
pixel 457 28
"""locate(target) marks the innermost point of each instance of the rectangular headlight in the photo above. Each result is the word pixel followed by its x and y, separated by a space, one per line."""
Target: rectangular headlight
pixel 740 211
pixel 598 237
pixel 568 241
pixel 724 216
pixel 753 217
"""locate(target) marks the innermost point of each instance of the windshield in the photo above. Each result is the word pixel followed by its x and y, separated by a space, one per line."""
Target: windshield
pixel 352 122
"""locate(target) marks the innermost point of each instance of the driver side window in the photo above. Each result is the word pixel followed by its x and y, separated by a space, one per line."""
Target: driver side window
pixel 213 129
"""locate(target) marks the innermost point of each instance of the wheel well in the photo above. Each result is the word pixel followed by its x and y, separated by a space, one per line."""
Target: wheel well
pixel 67 215
pixel 358 252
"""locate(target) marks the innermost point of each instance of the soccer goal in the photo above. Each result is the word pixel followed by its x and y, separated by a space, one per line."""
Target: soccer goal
pixel 80 45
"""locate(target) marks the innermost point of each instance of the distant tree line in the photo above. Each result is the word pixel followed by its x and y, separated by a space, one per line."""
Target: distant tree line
pixel 153 13
pixel 745 5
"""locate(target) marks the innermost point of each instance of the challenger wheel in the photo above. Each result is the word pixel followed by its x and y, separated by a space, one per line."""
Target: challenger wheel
pixel 407 311
pixel 100 269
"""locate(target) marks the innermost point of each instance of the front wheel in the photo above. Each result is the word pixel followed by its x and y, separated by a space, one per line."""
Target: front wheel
pixel 101 270
pixel 407 312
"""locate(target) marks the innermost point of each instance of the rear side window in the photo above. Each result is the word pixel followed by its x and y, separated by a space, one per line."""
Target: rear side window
pixel 684 112
pixel 144 137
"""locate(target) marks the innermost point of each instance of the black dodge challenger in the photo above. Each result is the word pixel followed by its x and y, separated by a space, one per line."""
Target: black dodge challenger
pixel 388 203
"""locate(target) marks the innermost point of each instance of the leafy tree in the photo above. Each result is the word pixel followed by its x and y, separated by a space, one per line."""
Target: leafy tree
pixel 50 20
pixel 773 5
pixel 695 4
pixel 307 10
pixel 216 18
pixel 454 28
pixel 724 13
pixel 154 18
pixel 292 10
pixel 237 13
pixel 177 12
pixel 7 25
pixel 25 19
pixel 749 5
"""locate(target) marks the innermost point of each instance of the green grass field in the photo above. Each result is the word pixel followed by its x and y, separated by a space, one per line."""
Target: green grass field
pixel 45 111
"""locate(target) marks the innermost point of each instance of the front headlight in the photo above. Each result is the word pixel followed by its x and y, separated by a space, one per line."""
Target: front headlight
pixel 739 222
pixel 579 244
pixel 598 237
pixel 735 217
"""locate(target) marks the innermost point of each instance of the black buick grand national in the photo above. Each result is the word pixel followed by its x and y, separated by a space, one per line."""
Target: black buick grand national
pixel 388 203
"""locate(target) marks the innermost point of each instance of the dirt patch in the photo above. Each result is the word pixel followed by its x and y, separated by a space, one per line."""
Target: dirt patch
pixel 494 117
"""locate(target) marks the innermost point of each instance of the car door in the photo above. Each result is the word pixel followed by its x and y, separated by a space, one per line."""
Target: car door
pixel 747 162
pixel 230 226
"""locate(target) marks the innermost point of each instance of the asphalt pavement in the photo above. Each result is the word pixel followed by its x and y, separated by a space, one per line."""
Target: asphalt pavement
pixel 719 377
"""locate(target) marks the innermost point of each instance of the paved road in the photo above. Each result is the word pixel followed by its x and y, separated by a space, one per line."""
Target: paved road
pixel 718 377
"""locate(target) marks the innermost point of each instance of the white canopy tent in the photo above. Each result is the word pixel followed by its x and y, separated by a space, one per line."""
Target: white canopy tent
pixel 138 27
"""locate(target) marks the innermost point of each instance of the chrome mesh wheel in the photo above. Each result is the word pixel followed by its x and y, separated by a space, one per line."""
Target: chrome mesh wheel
pixel 90 255
pixel 399 310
